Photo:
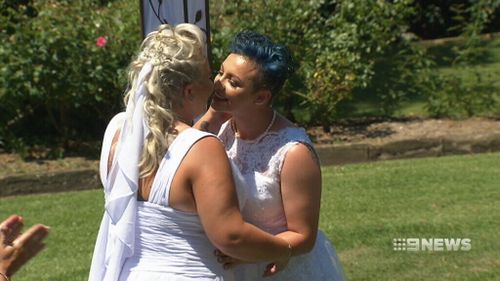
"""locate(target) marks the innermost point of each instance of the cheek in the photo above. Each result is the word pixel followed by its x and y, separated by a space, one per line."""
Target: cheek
pixel 211 86
pixel 231 91
pixel 209 90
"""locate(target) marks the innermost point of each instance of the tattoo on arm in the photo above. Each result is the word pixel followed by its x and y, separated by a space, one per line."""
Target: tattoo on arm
pixel 204 126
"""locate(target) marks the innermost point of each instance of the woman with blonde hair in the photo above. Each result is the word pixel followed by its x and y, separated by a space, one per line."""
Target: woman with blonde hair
pixel 170 198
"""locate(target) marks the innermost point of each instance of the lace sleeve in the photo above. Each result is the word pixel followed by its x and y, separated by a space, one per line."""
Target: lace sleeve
pixel 299 137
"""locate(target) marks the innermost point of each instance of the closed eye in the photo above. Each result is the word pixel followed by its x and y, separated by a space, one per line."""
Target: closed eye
pixel 233 83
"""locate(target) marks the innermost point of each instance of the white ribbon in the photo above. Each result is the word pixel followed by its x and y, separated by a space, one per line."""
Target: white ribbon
pixel 123 182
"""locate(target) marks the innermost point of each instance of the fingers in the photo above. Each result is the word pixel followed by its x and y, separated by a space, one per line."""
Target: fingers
pixel 13 219
pixel 228 266
pixel 226 261
pixel 231 263
pixel 10 229
pixel 275 267
pixel 271 269
pixel 33 236
pixel 218 253
pixel 28 245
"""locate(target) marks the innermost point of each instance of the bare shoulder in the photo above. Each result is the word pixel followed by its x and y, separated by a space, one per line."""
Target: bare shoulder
pixel 299 148
pixel 208 142
pixel 301 152
pixel 282 122
pixel 209 147
pixel 206 158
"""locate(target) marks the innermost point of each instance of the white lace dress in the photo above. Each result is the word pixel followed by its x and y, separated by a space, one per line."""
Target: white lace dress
pixel 260 162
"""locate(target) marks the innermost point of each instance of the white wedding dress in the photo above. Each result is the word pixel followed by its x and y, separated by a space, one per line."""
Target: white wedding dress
pixel 157 242
pixel 260 162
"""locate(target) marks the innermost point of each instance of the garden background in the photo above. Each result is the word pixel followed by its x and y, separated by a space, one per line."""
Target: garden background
pixel 63 63
pixel 62 75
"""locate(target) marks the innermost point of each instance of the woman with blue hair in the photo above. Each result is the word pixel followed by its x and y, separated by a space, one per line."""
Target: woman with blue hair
pixel 275 157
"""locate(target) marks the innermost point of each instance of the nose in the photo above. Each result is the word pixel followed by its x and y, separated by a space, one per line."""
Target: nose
pixel 218 85
pixel 217 81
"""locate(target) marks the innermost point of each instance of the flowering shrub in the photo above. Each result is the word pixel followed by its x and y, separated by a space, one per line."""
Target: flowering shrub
pixel 101 41
pixel 62 62
pixel 62 71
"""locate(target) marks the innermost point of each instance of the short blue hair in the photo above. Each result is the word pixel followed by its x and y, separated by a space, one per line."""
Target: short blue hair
pixel 274 60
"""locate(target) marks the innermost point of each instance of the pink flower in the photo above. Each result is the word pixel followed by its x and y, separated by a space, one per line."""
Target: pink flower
pixel 101 41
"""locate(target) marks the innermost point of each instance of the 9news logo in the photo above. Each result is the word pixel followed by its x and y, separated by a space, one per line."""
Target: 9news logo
pixel 431 244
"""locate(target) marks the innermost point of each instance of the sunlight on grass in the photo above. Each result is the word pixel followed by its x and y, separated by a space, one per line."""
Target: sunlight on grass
pixel 411 109
pixel 365 104
pixel 74 219
pixel 365 206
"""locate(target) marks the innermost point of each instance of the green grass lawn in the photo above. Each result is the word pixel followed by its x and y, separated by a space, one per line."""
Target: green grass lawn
pixel 364 207
pixel 74 219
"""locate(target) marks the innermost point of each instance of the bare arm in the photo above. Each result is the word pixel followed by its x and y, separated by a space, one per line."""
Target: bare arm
pixel 301 193
pixel 217 206
pixel 112 150
pixel 211 121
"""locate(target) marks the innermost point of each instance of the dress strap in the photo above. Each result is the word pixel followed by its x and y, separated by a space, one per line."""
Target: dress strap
pixel 177 151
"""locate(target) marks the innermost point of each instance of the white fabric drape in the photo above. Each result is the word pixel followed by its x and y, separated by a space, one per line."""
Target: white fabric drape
pixel 115 241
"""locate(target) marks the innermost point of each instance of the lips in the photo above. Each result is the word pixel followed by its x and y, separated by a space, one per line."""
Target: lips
pixel 219 97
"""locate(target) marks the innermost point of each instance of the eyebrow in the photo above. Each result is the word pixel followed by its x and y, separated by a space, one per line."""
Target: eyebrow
pixel 239 80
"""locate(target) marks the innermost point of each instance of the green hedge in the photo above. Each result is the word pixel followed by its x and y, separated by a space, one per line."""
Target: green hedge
pixel 342 46
pixel 56 85
pixel 59 87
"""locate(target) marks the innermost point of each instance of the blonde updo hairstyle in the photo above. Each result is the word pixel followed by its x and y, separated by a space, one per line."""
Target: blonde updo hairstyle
pixel 177 55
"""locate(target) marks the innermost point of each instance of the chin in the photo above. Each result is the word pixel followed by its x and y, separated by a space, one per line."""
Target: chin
pixel 219 105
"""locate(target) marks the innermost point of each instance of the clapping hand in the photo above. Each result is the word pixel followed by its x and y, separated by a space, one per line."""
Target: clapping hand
pixel 15 248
